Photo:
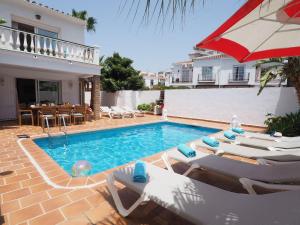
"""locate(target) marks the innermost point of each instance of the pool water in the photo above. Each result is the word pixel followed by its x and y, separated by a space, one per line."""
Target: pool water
pixel 106 149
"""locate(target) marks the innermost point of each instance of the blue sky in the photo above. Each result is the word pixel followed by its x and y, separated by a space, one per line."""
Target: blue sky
pixel 152 47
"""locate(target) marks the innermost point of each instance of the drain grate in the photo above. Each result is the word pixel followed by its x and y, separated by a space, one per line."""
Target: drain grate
pixel 23 136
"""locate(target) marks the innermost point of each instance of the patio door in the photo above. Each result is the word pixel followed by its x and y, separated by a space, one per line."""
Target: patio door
pixel 26 89
pixel 32 91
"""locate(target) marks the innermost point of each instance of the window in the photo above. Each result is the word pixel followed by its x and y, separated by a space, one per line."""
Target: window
pixel 151 82
pixel 187 75
pixel 207 73
pixel 49 92
pixel 238 73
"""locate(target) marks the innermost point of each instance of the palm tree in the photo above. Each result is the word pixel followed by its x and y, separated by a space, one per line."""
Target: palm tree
pixel 90 21
pixel 161 9
pixel 284 68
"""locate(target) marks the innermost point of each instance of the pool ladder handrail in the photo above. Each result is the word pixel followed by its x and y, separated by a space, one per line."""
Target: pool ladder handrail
pixel 48 130
pixel 65 129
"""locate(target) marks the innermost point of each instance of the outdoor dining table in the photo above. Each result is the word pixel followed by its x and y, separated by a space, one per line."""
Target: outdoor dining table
pixel 36 108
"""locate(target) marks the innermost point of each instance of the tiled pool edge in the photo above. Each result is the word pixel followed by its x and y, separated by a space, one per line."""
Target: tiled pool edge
pixel 89 183
pixel 84 182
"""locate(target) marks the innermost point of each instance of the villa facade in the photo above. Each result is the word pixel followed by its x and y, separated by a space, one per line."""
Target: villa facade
pixel 43 57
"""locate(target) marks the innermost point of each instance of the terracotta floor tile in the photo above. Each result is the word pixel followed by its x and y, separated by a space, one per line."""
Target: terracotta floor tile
pixel 104 210
pixel 25 214
pixel 51 218
pixel 98 177
pixel 10 206
pixel 57 192
pixel 76 208
pixel 77 181
pixel 40 187
pixel 33 199
pixel 9 187
pixel 55 203
pixel 79 194
pixel 81 220
pixel 32 181
pixel 15 194
pixel 16 178
pixel 95 199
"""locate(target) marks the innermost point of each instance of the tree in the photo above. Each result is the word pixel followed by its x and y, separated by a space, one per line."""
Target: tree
pixel 118 74
pixel 285 69
pixel 2 21
pixel 83 15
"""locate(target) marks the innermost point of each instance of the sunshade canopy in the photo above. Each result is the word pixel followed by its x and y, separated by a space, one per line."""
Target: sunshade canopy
pixel 259 29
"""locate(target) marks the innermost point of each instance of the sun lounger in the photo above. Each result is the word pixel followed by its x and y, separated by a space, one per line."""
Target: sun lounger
pixel 254 153
pixel 122 111
pixel 136 113
pixel 263 144
pixel 201 203
pixel 287 174
pixel 268 137
pixel 109 112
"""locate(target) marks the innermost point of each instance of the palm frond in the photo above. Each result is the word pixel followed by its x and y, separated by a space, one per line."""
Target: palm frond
pixel 163 10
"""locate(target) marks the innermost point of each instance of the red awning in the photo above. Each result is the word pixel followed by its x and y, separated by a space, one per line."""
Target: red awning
pixel 259 29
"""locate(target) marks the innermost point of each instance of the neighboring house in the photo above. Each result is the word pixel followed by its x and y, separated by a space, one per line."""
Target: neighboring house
pixel 182 74
pixel 43 57
pixel 149 78
pixel 208 68
pixel 152 79
pixel 164 78
pixel 223 71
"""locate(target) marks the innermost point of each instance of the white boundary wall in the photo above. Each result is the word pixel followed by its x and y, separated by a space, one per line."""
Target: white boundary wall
pixel 125 98
pixel 222 104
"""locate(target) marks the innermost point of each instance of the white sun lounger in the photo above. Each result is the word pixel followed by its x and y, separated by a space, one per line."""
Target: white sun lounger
pixel 268 137
pixel 122 111
pixel 259 143
pixel 201 203
pixel 109 112
pixel 136 113
pixel 254 153
pixel 286 174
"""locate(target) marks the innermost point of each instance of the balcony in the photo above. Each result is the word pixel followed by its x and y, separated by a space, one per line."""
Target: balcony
pixel 20 41
pixel 206 78
pixel 238 78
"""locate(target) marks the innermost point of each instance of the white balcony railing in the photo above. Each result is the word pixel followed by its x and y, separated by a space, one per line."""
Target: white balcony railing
pixel 206 78
pixel 21 41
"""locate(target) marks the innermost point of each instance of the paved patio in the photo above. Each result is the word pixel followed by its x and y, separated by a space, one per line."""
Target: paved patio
pixel 27 199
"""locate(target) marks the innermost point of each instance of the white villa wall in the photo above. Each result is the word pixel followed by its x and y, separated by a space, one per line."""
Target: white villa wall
pixel 222 104
pixel 125 98
pixel 21 11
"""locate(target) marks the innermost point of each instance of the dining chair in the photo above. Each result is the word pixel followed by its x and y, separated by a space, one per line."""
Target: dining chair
pixel 24 113
pixel 79 112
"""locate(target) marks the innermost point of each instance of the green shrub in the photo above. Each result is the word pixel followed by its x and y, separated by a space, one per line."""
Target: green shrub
pixel 288 125
pixel 146 107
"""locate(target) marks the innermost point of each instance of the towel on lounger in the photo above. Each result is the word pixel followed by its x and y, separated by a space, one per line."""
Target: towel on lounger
pixel 238 130
pixel 229 135
pixel 187 151
pixel 210 141
pixel 139 174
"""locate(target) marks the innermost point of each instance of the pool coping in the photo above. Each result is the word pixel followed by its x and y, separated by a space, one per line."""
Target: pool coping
pixel 58 178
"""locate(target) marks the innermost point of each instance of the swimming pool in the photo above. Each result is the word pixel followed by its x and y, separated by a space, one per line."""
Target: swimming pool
pixel 106 149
